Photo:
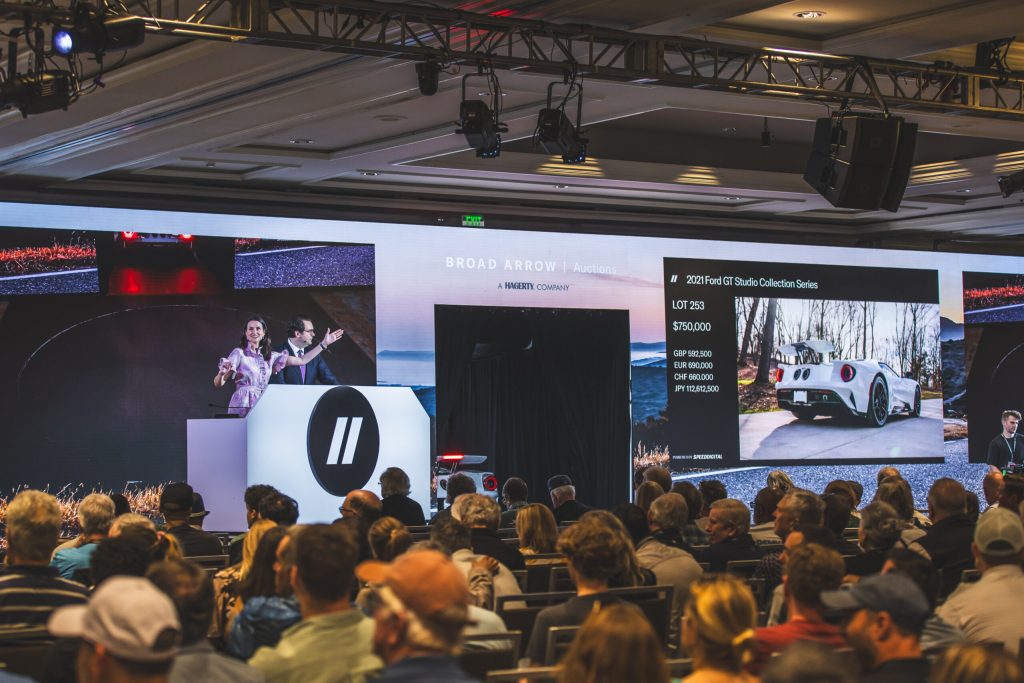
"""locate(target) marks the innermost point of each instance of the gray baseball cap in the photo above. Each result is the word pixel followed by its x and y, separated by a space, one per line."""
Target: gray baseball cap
pixel 999 533
pixel 892 593
pixel 127 615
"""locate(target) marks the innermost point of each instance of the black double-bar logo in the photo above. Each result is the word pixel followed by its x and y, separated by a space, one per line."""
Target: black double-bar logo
pixel 342 441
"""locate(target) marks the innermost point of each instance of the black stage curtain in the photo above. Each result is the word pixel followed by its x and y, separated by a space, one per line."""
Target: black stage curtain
pixel 541 391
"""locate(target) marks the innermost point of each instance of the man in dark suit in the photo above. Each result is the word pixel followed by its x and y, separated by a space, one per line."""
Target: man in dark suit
pixel 300 336
pixel 563 499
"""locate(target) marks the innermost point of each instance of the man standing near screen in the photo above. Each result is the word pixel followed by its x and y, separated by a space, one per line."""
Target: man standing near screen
pixel 300 336
pixel 1006 448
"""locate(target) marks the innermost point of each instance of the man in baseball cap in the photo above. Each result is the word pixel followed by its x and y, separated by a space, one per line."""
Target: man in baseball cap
pixel 129 632
pixel 990 609
pixel 176 502
pixel 883 616
pixel 563 499
pixel 421 608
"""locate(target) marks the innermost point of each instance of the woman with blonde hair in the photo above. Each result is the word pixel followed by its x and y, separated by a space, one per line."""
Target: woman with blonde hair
pixel 226 582
pixel 388 539
pixel 976 663
pixel 537 530
pixel 718 630
pixel 615 644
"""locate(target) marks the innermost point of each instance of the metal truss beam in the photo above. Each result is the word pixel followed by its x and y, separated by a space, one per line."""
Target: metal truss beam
pixel 414 32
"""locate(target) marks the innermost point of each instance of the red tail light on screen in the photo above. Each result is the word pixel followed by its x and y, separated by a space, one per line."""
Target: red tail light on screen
pixel 778 374
pixel 129 234
pixel 451 457
pixel 490 483
pixel 184 237
pixel 847 373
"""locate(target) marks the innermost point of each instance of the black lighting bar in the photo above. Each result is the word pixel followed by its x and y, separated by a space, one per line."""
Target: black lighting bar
pixel 416 32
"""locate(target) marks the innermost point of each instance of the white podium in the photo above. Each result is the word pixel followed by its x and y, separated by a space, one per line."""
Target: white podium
pixel 313 443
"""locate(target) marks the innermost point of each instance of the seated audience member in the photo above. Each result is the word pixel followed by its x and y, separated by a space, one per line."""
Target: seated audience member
pixel 162 546
pixel 843 487
pixel 778 480
pixel 537 530
pixel 837 515
pixel 887 472
pixel 765 502
pixel 280 509
pixel 809 570
pixel 394 493
pixel 879 531
pixel 458 484
pixel 563 499
pixel 729 533
pixel 858 492
pixel 333 642
pixel 514 496
pixel 632 574
pixel 1012 493
pixel 807 662
pixel 976 663
pixel 482 514
pixel 388 539
pixel 718 630
pixel 973 506
pixel 30 589
pixel 897 493
pixel 660 476
pixel 95 514
pixel 126 555
pixel 176 507
pixel 596 554
pixel 634 519
pixel 615 644
pixel 692 533
pixel 806 535
pixel 710 491
pixel 269 606
pixel 883 618
pixel 666 554
pixel 128 633
pixel 647 493
pixel 227 580
pixel 199 512
pixel 948 541
pixel 121 504
pixel 487 577
pixel 252 498
pixel 797 508
pixel 191 591
pixel 359 510
pixel 422 607
pixel 937 634
pixel 990 610
pixel 992 488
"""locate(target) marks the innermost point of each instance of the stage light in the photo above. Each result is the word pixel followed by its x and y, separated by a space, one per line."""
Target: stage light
pixel 477 123
pixel 38 93
pixel 93 32
pixel 1008 184
pixel 428 74
pixel 557 135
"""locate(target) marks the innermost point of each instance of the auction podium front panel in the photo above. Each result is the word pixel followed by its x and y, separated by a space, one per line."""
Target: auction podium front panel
pixel 317 443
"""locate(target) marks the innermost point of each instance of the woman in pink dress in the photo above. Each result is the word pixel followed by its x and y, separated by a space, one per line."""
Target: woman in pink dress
pixel 252 364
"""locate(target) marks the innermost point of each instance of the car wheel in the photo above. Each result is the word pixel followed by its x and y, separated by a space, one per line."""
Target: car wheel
pixel 806 415
pixel 916 410
pixel 878 403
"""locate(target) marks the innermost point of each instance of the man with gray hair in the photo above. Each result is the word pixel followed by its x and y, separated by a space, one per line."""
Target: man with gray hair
pixel 666 554
pixel 797 508
pixel 729 533
pixel 421 608
pixel 482 514
pixel 95 514
pixel 563 499
pixel 30 589
pixel 395 500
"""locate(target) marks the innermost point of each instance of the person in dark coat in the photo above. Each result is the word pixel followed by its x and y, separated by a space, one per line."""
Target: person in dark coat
pixel 394 491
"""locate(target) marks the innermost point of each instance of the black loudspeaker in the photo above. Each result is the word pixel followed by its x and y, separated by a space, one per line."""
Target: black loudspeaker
pixel 861 162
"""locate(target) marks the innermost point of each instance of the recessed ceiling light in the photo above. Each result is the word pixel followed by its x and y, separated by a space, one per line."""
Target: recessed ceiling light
pixel 729 130
pixel 370 174
pixel 211 164
pixel 300 141
pixel 561 187
pixel 486 94
pixel 965 190
pixel 732 199
pixel 809 14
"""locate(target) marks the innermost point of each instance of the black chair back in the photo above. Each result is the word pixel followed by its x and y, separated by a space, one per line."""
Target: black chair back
pixel 520 615
pixel 559 640
pixel 559 580
pixel 744 568
pixel 485 652
pixel 26 659
pixel 208 562
pixel 539 674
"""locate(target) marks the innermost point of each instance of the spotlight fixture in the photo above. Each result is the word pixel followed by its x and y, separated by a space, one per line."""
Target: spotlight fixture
pixel 766 135
pixel 479 122
pixel 555 132
pixel 809 14
pixel 1008 184
pixel 428 74
pixel 38 93
pixel 92 31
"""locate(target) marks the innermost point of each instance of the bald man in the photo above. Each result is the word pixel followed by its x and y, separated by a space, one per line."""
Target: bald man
pixel 992 487
pixel 359 510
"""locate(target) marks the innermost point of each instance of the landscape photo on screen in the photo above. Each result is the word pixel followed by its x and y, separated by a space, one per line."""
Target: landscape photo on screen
pixel 47 262
pixel 265 263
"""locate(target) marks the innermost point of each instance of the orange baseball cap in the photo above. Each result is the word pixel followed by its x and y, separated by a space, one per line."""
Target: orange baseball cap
pixel 426 581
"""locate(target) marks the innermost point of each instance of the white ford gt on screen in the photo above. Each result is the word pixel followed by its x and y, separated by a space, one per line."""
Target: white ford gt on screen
pixel 866 389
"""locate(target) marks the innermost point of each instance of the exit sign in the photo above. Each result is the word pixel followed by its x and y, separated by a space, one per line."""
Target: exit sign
pixel 472 221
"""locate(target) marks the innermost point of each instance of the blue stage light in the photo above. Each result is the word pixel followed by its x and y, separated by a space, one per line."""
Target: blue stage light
pixel 63 43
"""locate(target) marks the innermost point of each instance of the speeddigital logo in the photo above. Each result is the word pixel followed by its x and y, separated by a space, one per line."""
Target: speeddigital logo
pixel 343 441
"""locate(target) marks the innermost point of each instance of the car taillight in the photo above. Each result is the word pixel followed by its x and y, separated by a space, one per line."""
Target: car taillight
pixel 185 237
pixel 847 373
pixel 451 457
pixel 490 483
pixel 778 375
pixel 129 235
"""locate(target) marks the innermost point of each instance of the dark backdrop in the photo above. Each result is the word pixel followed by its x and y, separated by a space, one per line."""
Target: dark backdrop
pixel 540 391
